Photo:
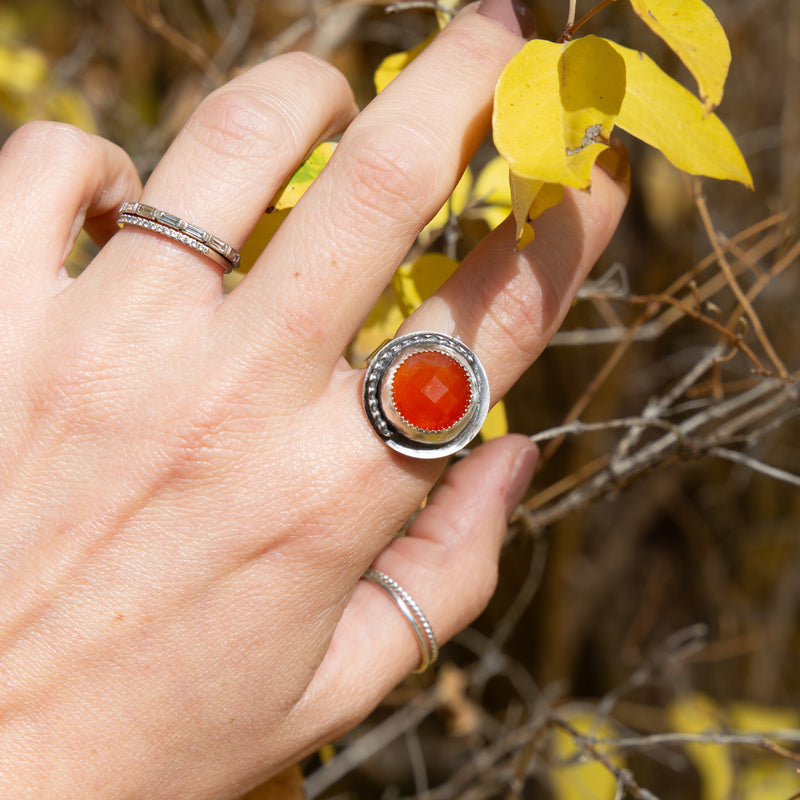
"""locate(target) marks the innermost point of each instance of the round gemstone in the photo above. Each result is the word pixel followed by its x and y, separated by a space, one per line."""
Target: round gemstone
pixel 431 391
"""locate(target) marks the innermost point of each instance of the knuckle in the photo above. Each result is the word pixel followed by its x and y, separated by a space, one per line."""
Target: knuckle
pixel 228 121
pixel 519 310
pixel 40 136
pixel 391 178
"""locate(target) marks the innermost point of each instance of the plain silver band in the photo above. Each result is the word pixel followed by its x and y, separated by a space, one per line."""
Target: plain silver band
pixel 426 638
pixel 166 224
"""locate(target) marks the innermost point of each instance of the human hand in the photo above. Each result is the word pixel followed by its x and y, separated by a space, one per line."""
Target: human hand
pixel 190 490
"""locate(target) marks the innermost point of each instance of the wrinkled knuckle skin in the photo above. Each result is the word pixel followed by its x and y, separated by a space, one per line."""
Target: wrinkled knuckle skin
pixel 35 139
pixel 228 122
pixel 520 310
pixel 390 178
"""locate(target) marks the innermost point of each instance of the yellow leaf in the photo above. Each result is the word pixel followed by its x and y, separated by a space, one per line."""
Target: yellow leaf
pixel 393 65
pixel 697 713
pixel 592 87
pixel 260 237
pixel 69 105
pixel 303 177
pixel 492 186
pixel 22 69
pixel 555 106
pixel 578 776
pixel 417 280
pixel 496 423
pixel 690 28
pixel 455 204
pixel 381 324
pixel 764 719
pixel 660 112
pixel 445 11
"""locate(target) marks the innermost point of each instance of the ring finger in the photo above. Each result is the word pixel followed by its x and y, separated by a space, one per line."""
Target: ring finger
pixel 223 168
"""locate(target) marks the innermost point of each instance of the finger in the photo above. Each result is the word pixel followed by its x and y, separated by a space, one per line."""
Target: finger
pixel 53 178
pixel 393 169
pixel 506 303
pixel 447 562
pixel 225 166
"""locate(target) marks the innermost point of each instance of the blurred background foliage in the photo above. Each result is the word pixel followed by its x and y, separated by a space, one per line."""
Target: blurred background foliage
pixel 635 601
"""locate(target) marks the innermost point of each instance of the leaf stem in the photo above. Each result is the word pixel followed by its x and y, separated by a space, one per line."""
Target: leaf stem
pixel 571 16
pixel 571 27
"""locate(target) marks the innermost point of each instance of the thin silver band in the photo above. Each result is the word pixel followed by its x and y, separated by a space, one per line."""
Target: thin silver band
pixel 166 224
pixel 426 638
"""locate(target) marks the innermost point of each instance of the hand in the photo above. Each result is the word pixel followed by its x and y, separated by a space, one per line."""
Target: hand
pixel 189 488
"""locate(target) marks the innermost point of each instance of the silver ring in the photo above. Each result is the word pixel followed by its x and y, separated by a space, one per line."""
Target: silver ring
pixel 166 224
pixel 426 638
pixel 426 394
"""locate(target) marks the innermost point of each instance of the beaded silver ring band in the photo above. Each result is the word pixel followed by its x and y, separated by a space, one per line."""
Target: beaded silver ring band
pixel 429 647
pixel 162 222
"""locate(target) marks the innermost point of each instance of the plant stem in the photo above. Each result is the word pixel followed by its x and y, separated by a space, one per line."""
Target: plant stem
pixel 568 32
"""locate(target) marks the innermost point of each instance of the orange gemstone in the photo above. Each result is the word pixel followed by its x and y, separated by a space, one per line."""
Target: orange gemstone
pixel 431 391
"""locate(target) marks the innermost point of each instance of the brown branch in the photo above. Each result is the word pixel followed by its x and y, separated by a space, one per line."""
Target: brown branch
pixel 569 30
pixel 744 302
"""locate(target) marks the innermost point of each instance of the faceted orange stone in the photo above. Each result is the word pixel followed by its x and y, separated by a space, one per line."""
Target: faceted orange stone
pixel 431 391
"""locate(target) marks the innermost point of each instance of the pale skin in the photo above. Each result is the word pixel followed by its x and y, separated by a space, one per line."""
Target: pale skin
pixel 189 488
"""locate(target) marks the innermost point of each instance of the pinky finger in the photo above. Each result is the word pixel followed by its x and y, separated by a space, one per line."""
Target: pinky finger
pixel 447 562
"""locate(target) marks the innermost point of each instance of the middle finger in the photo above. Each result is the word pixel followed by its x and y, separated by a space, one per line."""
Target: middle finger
pixel 393 169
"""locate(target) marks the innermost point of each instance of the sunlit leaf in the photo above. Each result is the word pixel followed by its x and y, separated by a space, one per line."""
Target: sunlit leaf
pixel 393 65
pixel 496 423
pixel 661 112
pixel 555 106
pixel 455 204
pixel 491 185
pixel 302 177
pixel 260 237
pixel 381 324
pixel 419 279
pixel 445 11
pixel 690 28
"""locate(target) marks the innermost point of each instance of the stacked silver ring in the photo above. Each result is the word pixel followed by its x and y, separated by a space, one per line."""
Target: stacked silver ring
pixel 426 638
pixel 166 224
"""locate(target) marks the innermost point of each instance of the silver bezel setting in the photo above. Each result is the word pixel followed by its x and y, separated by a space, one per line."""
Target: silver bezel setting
pixel 392 428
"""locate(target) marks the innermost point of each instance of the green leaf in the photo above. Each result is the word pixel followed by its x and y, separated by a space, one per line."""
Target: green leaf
pixel 690 28
pixel 662 113
pixel 302 177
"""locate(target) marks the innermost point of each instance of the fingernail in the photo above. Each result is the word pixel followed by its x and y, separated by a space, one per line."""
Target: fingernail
pixel 614 161
pixel 511 14
pixel 519 477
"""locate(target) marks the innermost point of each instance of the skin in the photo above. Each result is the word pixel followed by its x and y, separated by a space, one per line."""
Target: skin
pixel 189 489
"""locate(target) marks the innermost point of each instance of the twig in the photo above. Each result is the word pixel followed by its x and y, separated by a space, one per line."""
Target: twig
pixel 589 745
pixel 744 302
pixel 755 465
pixel 569 31
pixel 759 740
pixel 149 11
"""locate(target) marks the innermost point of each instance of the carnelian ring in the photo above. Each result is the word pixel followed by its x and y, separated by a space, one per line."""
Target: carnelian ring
pixel 426 394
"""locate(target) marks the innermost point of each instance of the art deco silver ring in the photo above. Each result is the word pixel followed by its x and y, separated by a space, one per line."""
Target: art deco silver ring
pixel 166 224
